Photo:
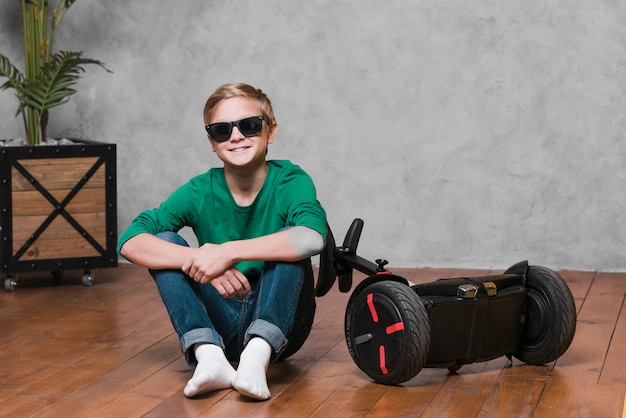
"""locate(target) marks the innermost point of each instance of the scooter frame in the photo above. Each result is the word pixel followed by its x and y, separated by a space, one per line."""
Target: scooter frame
pixel 394 328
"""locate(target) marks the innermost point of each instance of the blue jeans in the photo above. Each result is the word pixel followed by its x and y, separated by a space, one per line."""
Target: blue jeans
pixel 200 315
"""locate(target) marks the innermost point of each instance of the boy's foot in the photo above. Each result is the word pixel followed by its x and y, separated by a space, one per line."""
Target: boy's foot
pixel 251 378
pixel 213 372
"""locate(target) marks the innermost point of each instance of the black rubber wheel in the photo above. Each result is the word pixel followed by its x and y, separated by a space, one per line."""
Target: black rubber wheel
pixel 387 332
pixel 550 319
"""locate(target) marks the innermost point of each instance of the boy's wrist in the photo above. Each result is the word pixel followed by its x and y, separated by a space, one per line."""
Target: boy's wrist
pixel 230 251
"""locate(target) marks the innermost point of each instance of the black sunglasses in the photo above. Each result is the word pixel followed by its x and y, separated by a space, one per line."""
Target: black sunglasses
pixel 221 131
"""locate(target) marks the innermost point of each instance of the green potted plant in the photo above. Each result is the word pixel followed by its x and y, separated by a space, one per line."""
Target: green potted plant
pixel 48 77
pixel 57 203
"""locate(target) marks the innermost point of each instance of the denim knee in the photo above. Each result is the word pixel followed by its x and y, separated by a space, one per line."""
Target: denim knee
pixel 172 237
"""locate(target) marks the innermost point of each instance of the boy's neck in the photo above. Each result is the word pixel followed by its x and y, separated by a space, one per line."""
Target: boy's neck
pixel 245 184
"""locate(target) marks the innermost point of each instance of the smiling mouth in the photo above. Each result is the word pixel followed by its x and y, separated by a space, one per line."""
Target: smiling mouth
pixel 240 149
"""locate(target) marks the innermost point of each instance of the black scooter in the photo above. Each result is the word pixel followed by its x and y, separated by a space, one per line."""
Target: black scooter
pixel 394 328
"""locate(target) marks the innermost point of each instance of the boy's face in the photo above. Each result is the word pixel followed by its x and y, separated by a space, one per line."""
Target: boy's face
pixel 239 150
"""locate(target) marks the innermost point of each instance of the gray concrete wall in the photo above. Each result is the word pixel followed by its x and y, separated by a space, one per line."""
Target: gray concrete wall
pixel 465 133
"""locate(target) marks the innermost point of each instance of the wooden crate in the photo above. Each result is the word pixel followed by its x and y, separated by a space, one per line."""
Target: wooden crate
pixel 58 208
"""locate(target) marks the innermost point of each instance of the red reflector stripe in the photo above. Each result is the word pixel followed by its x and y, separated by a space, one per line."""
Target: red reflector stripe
pixel 370 304
pixel 399 326
pixel 381 353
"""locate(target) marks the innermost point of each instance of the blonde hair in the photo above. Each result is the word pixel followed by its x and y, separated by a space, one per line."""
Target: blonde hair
pixel 226 91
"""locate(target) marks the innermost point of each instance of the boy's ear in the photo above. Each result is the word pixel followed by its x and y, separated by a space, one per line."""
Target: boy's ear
pixel 272 132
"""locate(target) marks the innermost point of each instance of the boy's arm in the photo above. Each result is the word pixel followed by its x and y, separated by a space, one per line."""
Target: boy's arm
pixel 293 244
pixel 210 261
pixel 290 245
pixel 154 253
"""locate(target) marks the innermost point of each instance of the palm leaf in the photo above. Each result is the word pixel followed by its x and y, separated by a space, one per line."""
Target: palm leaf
pixel 14 76
pixel 53 86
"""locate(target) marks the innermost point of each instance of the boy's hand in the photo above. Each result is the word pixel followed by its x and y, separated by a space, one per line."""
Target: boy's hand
pixel 211 264
pixel 206 263
pixel 231 284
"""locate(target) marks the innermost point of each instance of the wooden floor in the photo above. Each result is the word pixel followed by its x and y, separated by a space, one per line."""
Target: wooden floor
pixel 110 351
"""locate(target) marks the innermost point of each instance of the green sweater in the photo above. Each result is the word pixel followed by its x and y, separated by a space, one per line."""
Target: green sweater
pixel 205 204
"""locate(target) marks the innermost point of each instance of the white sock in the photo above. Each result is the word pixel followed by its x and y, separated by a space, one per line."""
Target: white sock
pixel 213 371
pixel 251 378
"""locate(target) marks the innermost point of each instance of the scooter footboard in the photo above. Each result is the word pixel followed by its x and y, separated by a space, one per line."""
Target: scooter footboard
pixel 473 319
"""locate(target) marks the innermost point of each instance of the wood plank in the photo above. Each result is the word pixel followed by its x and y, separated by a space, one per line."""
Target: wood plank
pixel 61 240
pixel 179 406
pixel 127 371
pixel 516 391
pixel 53 249
pixel 614 368
pixel 149 393
pixel 57 173
pixel 33 203
pixel 569 390
pixel 465 392
pixel 24 226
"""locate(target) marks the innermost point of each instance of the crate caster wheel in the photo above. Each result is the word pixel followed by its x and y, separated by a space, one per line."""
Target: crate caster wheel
pixel 10 284
pixel 87 279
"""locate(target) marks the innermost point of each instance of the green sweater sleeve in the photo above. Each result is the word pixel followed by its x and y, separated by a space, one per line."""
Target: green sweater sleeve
pixel 177 211
pixel 296 195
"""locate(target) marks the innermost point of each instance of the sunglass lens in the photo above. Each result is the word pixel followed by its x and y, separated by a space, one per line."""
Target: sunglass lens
pixel 220 131
pixel 251 126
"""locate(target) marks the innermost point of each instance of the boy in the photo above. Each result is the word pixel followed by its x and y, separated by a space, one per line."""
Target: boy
pixel 257 222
